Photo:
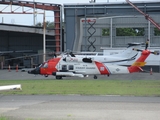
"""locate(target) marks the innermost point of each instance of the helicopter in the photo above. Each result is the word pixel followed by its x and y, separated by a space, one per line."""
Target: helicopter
pixel 69 66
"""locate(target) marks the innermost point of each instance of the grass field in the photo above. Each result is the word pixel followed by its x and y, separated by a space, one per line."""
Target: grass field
pixel 86 87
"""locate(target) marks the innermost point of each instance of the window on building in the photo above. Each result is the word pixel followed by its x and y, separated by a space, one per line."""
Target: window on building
pixel 156 32
pixel 129 31
pixel 105 32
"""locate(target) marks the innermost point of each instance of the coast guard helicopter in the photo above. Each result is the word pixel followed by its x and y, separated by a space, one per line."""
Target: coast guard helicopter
pixel 68 66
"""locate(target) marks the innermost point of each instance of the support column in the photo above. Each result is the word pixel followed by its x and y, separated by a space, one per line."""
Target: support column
pixel 57 29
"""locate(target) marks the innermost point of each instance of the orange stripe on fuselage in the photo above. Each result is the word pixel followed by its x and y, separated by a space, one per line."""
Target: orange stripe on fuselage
pixel 136 66
pixel 102 68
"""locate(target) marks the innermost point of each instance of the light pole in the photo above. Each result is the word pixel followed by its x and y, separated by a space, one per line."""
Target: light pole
pixel 44 37
pixel 34 14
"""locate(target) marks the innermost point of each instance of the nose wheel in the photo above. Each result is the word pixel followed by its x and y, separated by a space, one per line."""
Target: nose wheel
pixel 95 77
pixel 46 75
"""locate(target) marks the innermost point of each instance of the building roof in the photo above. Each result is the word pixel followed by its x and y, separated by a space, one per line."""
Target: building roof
pixel 25 29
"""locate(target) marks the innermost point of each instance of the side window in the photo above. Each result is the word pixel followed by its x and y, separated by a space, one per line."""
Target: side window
pixel 70 67
pixel 64 67
pixel 45 65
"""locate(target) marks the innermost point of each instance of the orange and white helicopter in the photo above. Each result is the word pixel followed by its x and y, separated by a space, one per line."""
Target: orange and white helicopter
pixel 68 66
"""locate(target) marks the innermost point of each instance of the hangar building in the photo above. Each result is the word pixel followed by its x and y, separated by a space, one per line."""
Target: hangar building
pixel 87 21
pixel 24 38
pixel 84 25
pixel 21 38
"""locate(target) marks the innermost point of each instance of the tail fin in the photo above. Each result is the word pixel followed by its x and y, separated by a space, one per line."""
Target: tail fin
pixel 129 52
pixel 136 66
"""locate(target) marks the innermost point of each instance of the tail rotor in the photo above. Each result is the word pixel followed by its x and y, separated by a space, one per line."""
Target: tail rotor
pixel 146 49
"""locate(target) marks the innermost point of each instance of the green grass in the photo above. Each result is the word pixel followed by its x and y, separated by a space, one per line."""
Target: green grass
pixel 8 118
pixel 86 87
pixel 4 118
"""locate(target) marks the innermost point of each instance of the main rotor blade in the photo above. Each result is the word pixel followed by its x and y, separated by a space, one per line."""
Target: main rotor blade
pixel 137 50
pixel 155 53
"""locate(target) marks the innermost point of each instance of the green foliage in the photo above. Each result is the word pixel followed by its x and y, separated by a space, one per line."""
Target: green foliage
pixel 139 31
pixel 7 118
pixel 49 24
pixel 156 32
pixel 39 24
pixel 124 32
pixel 105 32
pixel 3 118
pixel 130 31
pixel 86 87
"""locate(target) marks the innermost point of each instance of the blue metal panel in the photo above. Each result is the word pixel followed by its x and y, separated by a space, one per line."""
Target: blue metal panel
pixel 70 26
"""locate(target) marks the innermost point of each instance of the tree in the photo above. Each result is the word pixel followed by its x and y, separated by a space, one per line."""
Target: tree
pixel 49 24
pixel 39 24
pixel 130 31
pixel 139 31
pixel 156 32
pixel 105 32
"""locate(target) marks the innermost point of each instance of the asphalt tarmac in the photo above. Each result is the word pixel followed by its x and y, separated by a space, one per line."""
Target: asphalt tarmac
pixel 78 107
pixel 13 75
pixel 75 107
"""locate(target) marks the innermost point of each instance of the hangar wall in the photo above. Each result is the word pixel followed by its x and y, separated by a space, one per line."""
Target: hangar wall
pixel 74 12
pixel 18 41
pixel 112 40
pixel 23 41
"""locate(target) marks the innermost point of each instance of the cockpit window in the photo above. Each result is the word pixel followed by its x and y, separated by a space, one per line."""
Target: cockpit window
pixel 40 65
pixel 45 65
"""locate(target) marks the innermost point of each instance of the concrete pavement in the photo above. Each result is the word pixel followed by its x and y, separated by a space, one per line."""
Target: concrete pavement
pixel 13 75
pixel 76 107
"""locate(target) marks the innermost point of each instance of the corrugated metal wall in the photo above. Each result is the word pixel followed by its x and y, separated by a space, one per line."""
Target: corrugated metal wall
pixel 17 41
pixel 23 41
pixel 118 41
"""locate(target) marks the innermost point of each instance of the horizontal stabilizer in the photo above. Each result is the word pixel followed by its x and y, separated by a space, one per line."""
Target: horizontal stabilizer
pixel 139 64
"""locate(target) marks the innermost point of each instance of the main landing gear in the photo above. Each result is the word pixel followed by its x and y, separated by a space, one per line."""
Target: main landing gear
pixel 46 75
pixel 95 77
pixel 59 77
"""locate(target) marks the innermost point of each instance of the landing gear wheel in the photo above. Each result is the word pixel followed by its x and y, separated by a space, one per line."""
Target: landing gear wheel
pixel 95 77
pixel 58 77
pixel 46 75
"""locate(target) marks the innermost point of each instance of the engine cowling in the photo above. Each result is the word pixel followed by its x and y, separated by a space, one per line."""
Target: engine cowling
pixel 77 59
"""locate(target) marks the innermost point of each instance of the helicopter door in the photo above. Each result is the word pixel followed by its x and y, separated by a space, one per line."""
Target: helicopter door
pixel 65 68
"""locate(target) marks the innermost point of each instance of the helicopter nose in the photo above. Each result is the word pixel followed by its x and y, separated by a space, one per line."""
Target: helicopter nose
pixel 34 71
